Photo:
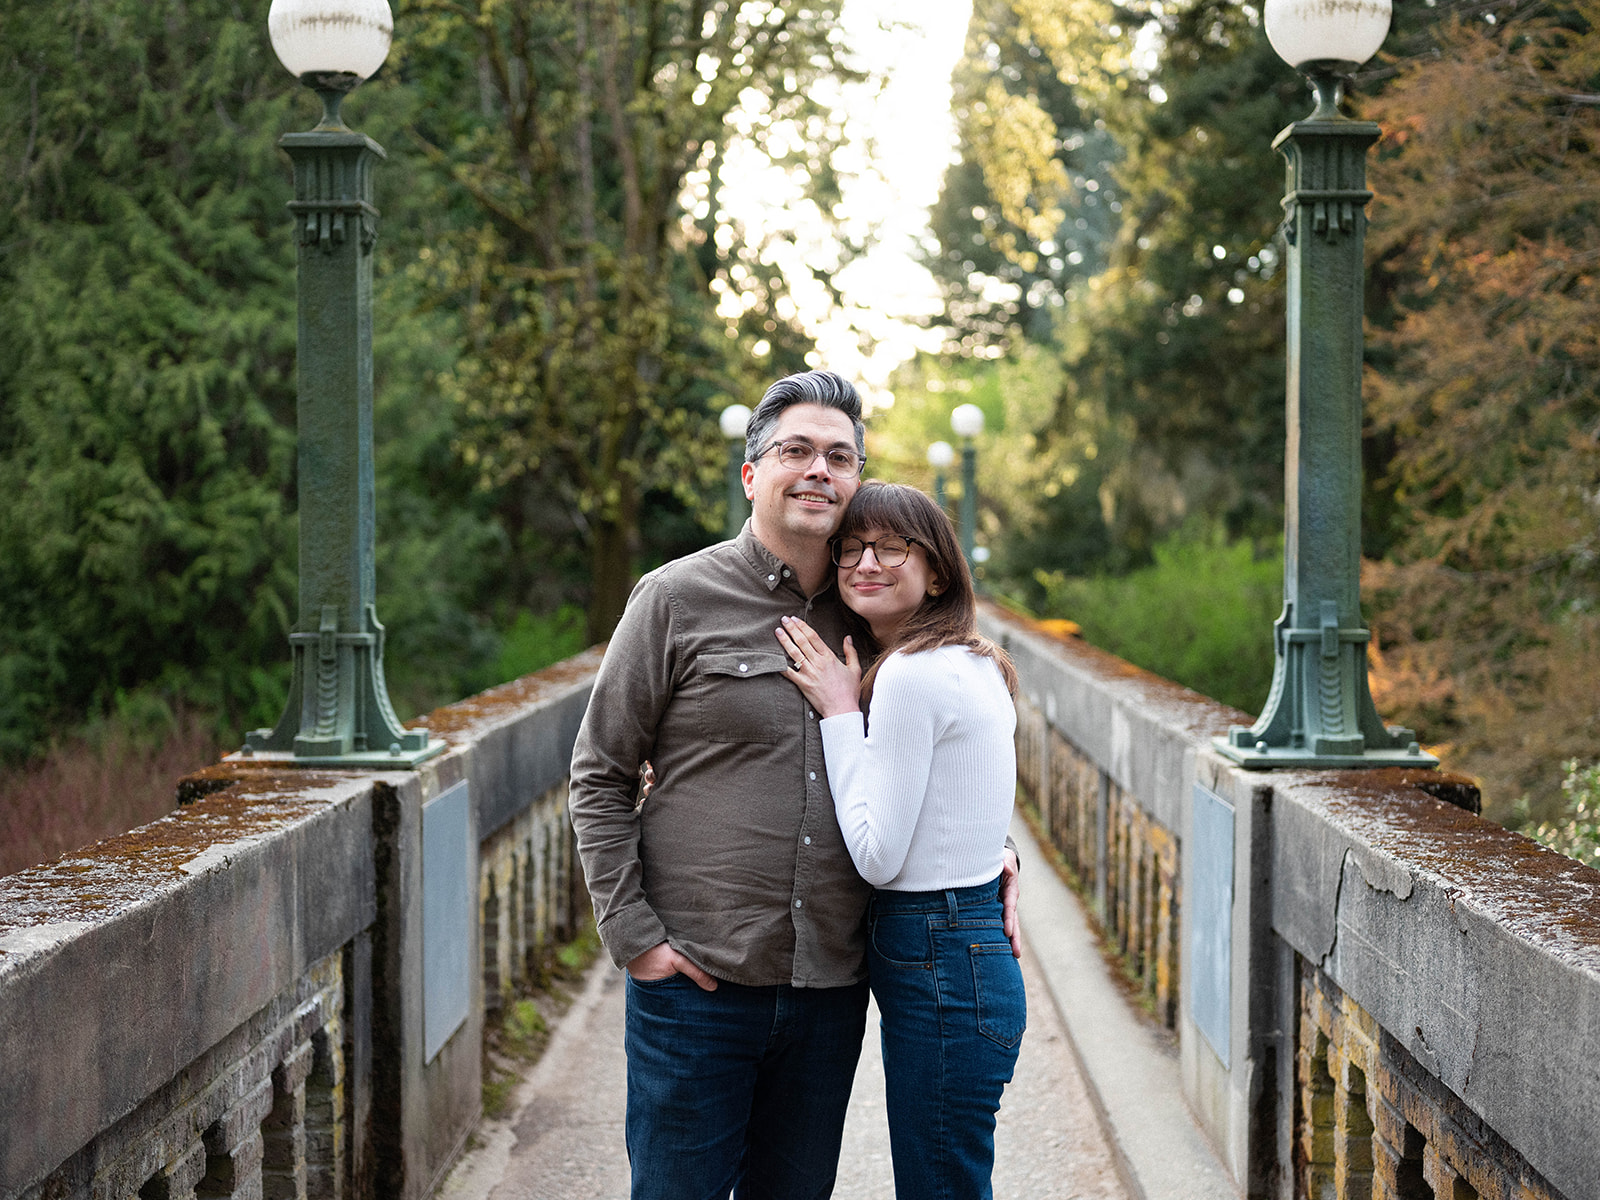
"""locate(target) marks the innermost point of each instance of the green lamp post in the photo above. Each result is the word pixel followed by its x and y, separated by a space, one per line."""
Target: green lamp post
pixel 338 712
pixel 940 456
pixel 735 419
pixel 1319 712
pixel 967 422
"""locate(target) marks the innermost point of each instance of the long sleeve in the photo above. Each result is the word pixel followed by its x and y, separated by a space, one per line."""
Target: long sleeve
pixel 923 801
pixel 617 735
pixel 879 782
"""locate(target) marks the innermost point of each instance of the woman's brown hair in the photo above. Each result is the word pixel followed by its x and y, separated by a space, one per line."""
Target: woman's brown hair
pixel 947 619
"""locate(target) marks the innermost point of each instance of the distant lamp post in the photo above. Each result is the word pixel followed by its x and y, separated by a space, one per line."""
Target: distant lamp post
pixel 1319 712
pixel 967 422
pixel 338 712
pixel 940 456
pixel 735 420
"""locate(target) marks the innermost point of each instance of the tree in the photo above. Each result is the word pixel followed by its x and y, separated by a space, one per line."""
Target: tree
pixel 1128 184
pixel 594 345
pixel 147 386
pixel 1027 210
pixel 146 359
pixel 1485 391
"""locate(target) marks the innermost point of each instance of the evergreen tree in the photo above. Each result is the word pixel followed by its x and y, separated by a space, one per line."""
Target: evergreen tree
pixel 146 359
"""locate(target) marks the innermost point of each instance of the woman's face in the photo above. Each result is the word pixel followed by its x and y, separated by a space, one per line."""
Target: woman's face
pixel 884 596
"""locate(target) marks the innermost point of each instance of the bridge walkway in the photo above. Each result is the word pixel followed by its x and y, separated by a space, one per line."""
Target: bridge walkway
pixel 1094 1112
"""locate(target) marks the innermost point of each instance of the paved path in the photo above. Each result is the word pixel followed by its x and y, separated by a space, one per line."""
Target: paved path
pixel 1059 1136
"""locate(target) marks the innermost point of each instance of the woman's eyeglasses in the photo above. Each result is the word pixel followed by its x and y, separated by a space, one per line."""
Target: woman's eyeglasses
pixel 890 551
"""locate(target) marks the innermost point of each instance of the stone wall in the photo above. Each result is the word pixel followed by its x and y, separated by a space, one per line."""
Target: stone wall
pixel 531 895
pixel 1375 992
pixel 233 1000
pixel 1116 854
pixel 1375 1122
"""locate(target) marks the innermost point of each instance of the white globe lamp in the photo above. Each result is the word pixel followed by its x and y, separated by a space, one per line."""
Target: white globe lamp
pixel 1345 33
pixel 967 420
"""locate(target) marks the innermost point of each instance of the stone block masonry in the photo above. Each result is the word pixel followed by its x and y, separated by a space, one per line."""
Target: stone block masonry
pixel 227 1004
pixel 1411 994
pixel 1377 1123
pixel 1124 862
pixel 1401 999
pixel 235 1123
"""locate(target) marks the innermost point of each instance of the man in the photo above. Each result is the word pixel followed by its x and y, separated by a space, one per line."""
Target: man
pixel 728 894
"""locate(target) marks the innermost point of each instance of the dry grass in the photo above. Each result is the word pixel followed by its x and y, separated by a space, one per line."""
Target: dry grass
pixel 94 786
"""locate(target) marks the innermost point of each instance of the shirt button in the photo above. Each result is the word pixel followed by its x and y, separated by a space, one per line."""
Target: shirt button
pixel 786 572
pixel 809 714
pixel 798 903
pixel 771 578
pixel 744 666
pixel 813 774
pixel 808 841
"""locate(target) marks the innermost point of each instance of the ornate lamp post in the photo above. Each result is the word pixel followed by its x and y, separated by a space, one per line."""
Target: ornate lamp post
pixel 1320 712
pixel 967 421
pixel 735 420
pixel 338 712
pixel 940 456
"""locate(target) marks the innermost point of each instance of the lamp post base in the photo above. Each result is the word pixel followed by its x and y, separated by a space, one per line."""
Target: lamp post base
pixel 1261 757
pixel 395 758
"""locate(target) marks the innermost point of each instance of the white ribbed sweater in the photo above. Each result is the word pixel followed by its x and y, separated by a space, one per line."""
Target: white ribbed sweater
pixel 925 800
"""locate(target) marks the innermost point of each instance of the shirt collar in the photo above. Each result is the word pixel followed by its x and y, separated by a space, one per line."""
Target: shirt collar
pixel 770 570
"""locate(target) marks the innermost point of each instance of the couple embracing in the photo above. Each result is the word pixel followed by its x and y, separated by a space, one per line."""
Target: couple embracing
pixel 810 828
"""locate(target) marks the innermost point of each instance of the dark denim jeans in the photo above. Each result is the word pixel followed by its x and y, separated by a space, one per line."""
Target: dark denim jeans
pixel 953 1015
pixel 739 1090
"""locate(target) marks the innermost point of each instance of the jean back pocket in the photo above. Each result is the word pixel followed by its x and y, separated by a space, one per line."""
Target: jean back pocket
pixel 997 983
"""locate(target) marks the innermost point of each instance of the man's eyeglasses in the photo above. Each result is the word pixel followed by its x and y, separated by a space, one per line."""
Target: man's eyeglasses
pixel 797 456
pixel 890 551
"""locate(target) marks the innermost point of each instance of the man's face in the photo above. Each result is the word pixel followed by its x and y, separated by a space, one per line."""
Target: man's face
pixel 806 504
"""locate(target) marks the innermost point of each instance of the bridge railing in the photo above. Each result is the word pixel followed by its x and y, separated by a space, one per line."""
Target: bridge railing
pixel 279 990
pixel 1374 991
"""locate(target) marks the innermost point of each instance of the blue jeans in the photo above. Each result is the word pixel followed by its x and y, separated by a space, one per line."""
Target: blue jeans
pixel 739 1090
pixel 953 1015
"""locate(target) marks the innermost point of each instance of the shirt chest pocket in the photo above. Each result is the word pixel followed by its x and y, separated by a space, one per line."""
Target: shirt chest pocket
pixel 743 696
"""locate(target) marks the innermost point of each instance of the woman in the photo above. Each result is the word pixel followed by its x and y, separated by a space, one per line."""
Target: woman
pixel 923 794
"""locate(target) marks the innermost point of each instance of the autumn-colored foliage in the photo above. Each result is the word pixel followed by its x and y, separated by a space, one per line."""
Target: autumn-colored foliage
pixel 1482 387
pixel 96 784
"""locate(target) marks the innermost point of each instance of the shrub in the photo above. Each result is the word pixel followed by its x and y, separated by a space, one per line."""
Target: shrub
pixel 1201 615
pixel 1576 833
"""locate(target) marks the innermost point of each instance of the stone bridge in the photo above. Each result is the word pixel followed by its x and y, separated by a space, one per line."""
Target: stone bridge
pixel 1343 983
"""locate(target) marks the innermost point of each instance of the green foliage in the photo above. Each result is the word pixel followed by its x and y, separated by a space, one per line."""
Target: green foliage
pixel 1200 615
pixel 534 642
pixel 146 360
pixel 1180 340
pixel 1130 206
pixel 147 383
pixel 1027 212
pixel 595 352
pixel 1576 833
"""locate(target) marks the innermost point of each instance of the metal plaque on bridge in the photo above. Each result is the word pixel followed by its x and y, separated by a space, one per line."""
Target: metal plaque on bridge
pixel 1211 918
pixel 446 917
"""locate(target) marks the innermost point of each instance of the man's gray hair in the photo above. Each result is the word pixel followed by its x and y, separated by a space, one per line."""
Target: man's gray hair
pixel 808 387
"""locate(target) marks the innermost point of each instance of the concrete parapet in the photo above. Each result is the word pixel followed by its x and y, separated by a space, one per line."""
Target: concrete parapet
pixel 1448 1045
pixel 1374 991
pixel 229 1002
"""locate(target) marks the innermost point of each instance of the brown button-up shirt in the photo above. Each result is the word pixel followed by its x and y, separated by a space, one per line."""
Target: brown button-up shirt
pixel 735 858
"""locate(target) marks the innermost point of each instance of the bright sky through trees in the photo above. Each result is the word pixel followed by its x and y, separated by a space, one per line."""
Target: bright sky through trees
pixel 900 139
